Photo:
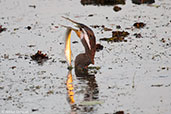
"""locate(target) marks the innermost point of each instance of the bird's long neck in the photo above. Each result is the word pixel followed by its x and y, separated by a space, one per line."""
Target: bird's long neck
pixel 90 52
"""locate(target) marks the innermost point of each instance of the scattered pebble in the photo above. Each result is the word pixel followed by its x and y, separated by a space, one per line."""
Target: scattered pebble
pixel 110 68
pixel 163 40
pixel 152 5
pixel 31 46
pixel 74 42
pixel 90 15
pixel 137 35
pixel 99 47
pixel 50 92
pixel 63 61
pixel 56 26
pixel 117 8
pixel 139 25
pixel 33 6
pixel 119 112
pixel 28 27
pixel 15 29
pixel 1 87
pixel 102 2
pixel 95 26
pixel 101 26
pixel 106 29
pixel 33 110
pixel 13 67
pixel 143 1
pixel 2 29
pixel 157 85
pixel 118 27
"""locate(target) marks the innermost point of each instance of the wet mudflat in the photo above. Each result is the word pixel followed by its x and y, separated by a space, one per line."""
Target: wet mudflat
pixel 131 75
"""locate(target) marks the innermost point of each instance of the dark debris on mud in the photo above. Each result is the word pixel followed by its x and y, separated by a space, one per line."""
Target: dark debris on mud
pixel 143 1
pixel 119 112
pixel 117 8
pixel 28 27
pixel 2 29
pixel 139 25
pixel 63 61
pixel 103 27
pixel 32 6
pixel 157 85
pixel 117 36
pixel 102 2
pixel 75 42
pixel 99 47
pixel 34 110
pixel 40 57
pixel 137 35
pixel 114 2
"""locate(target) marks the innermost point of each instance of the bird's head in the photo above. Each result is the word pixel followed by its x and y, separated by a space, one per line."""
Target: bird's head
pixel 78 31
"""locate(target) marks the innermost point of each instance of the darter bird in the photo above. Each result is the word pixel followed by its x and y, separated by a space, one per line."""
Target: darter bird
pixel 88 40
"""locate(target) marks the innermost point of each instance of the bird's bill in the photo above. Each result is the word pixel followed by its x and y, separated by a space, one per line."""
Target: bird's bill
pixel 68 45
pixel 77 24
pixel 70 20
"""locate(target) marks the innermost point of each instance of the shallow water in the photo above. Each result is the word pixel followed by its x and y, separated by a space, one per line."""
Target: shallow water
pixel 134 76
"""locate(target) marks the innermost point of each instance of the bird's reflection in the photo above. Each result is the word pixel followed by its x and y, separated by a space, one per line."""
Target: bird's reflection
pixel 90 92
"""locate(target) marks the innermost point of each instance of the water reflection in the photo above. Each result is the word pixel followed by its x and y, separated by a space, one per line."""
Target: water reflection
pixel 102 2
pixel 87 88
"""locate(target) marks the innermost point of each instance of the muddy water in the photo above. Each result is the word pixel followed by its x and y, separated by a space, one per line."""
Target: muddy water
pixel 134 76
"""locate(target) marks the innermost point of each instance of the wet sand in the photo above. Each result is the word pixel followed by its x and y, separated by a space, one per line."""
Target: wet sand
pixel 134 76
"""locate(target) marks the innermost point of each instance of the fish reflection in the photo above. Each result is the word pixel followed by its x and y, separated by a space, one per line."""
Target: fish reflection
pixel 70 88
pixel 89 92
